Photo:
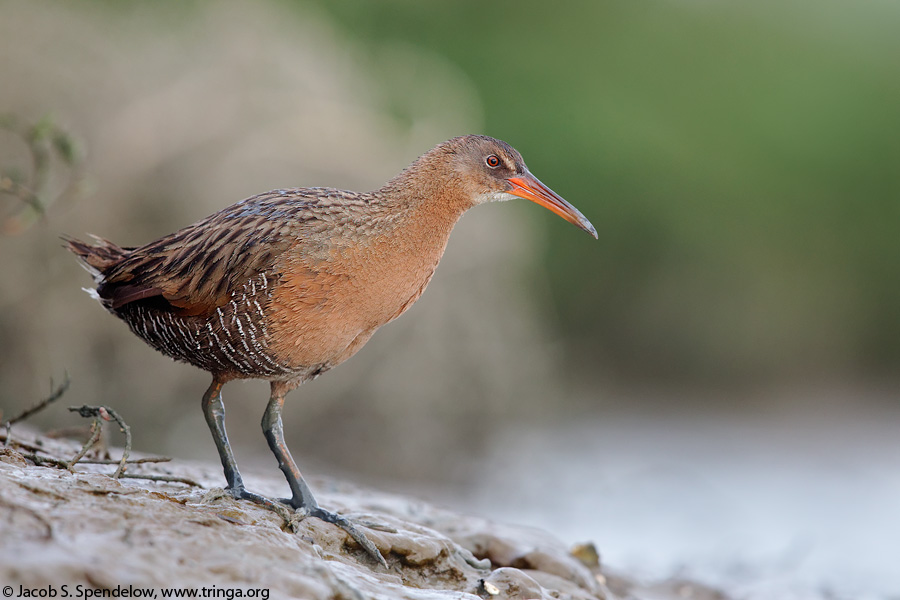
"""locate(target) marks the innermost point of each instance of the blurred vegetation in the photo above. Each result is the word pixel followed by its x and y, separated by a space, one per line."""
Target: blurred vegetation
pixel 186 107
pixel 739 160
pixel 28 183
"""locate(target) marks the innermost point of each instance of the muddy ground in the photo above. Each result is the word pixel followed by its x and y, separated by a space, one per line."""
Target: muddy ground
pixel 83 527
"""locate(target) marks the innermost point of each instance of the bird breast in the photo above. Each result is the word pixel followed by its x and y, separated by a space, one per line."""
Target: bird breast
pixel 327 305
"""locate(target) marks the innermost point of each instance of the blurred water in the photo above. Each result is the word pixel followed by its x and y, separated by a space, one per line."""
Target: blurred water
pixel 796 507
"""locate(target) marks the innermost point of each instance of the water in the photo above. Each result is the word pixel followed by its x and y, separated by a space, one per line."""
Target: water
pixel 794 507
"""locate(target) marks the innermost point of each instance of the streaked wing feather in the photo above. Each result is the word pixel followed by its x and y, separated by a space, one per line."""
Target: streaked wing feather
pixel 196 268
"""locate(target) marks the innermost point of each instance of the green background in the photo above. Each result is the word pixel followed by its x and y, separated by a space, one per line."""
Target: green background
pixel 739 160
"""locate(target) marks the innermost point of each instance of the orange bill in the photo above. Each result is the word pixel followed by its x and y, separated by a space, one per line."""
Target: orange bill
pixel 530 187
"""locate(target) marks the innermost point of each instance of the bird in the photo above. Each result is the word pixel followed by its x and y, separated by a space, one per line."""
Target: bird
pixel 288 284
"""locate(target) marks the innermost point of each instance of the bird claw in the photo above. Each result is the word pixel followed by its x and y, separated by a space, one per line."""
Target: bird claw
pixel 292 516
pixel 350 528
pixel 241 493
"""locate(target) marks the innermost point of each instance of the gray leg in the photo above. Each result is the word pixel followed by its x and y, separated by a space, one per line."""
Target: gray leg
pixel 214 411
pixel 273 428
pixel 302 497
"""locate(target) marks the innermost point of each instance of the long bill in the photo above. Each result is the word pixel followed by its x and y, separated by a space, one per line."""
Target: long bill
pixel 530 187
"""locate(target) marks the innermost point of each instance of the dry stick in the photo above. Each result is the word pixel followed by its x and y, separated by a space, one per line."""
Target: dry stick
pixel 167 478
pixel 127 450
pixel 88 461
pixel 133 461
pixel 95 435
pixel 53 397
pixel 39 460
pixel 107 414
pixel 85 461
pixel 97 413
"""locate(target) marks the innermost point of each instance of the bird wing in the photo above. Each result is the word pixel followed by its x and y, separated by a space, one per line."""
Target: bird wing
pixel 197 268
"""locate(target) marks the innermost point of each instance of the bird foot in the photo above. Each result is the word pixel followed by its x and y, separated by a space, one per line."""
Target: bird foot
pixel 292 516
pixel 241 493
pixel 351 529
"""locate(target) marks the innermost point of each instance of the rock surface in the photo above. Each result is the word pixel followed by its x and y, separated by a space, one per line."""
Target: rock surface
pixel 59 527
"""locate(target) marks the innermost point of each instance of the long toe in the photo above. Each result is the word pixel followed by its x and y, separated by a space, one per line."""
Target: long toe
pixel 241 493
pixel 284 512
pixel 287 502
pixel 350 528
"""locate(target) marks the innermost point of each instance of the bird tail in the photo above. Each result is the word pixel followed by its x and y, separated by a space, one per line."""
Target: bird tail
pixel 97 258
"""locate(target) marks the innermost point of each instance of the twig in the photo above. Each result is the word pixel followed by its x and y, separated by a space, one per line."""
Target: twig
pixel 168 478
pixel 40 460
pixel 95 435
pixel 37 459
pixel 106 413
pixel 133 461
pixel 98 414
pixel 53 397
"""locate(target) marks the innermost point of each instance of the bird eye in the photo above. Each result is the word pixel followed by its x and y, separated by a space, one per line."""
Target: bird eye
pixel 492 161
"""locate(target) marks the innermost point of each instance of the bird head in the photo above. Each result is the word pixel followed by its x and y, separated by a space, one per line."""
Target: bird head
pixel 493 171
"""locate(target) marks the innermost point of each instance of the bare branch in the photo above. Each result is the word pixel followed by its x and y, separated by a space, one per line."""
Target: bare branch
pixel 166 478
pixel 133 461
pixel 96 428
pixel 107 414
pixel 53 397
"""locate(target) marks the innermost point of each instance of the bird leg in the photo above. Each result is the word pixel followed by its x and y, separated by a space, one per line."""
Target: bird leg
pixel 302 497
pixel 214 411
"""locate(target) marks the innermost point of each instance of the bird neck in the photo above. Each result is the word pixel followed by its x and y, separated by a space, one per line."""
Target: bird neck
pixel 430 190
pixel 416 214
